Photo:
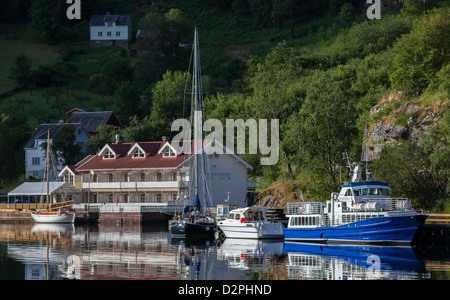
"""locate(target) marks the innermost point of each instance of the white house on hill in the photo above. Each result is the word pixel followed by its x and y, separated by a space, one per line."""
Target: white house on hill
pixel 110 30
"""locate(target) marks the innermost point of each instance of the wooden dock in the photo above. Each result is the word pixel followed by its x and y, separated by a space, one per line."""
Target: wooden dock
pixel 438 219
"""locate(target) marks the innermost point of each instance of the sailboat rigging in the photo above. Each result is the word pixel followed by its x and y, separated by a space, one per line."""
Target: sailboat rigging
pixel 48 215
pixel 198 223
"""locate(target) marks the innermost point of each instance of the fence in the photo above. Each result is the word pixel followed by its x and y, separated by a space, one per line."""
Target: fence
pixel 438 219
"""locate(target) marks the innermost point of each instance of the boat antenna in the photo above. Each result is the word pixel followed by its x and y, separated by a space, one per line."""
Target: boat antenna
pixel 347 163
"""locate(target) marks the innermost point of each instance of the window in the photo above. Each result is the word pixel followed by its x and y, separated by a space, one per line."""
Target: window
pixel 125 177
pixel 68 177
pixel 142 197
pixel 158 197
pixel 108 155
pixel 100 33
pixel 35 161
pixel 117 33
pixel 110 177
pixel 169 153
pixel 108 33
pixel 139 154
pixel 158 176
pixel 142 177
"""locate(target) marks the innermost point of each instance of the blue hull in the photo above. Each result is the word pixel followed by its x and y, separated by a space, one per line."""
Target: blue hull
pixel 384 230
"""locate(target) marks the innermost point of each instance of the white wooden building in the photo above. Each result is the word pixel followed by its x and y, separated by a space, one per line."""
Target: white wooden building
pixel 110 30
pixel 154 174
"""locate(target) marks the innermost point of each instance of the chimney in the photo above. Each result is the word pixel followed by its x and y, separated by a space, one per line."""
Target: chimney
pixel 117 139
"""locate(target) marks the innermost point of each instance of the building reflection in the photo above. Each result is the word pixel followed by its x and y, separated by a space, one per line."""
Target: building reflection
pixel 149 252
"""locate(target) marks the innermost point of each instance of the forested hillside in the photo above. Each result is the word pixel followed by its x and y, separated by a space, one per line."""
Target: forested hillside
pixel 320 67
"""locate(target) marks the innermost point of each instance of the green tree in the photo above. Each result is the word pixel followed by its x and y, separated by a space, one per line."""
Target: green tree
pixel 417 7
pixel 169 101
pixel 406 167
pixel 421 54
pixel 116 70
pixel 48 17
pixel 13 134
pixel 64 146
pixel 21 72
pixel 127 101
pixel 324 127
pixel 106 134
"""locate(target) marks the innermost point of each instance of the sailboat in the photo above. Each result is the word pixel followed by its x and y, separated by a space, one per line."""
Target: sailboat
pixel 52 215
pixel 198 224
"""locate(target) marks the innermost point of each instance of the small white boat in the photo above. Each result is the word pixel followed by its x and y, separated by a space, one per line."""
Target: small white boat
pixel 53 217
pixel 250 223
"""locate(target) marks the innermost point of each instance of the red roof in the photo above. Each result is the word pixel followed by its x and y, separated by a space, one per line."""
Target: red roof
pixel 124 159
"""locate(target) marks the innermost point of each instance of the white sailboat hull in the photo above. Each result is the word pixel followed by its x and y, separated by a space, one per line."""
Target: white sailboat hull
pixel 57 218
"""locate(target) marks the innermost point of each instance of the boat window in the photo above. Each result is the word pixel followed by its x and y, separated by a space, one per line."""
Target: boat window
pixel 230 216
pixel 364 192
pixel 348 192
pixel 373 191
pixel 357 192
pixel 237 216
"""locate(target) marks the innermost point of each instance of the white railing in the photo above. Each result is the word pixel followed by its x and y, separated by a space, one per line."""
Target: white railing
pixel 304 208
pixel 135 185
pixel 383 204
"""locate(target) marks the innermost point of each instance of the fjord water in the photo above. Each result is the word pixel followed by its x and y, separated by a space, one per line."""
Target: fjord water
pixel 149 252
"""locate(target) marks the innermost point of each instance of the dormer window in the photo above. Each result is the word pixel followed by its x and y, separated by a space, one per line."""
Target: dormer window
pixel 108 155
pixel 139 154
pixel 169 153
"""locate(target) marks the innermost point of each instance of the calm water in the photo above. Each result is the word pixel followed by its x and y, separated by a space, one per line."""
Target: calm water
pixel 149 252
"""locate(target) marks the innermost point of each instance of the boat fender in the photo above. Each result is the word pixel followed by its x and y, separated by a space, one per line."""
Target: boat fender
pixel 260 229
pixel 207 228
pixel 243 220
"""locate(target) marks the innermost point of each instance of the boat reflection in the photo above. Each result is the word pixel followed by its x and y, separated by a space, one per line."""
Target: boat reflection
pixel 343 262
pixel 249 254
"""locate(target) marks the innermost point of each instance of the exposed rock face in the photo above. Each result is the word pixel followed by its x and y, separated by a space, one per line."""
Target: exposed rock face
pixel 408 120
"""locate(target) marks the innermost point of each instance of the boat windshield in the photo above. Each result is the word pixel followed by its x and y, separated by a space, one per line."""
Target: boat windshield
pixel 256 215
pixel 372 192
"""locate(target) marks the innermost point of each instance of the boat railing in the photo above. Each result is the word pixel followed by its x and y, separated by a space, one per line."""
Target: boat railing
pixel 304 208
pixel 383 204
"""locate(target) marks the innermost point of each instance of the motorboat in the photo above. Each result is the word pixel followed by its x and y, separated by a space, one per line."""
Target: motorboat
pixel 250 223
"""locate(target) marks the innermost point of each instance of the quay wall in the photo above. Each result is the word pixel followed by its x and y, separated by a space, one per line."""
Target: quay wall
pixel 16 217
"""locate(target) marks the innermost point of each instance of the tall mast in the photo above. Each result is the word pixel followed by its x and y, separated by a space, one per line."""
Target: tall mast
pixel 195 100
pixel 47 161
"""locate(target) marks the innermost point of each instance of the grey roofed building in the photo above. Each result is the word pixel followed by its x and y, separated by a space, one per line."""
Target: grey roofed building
pixel 40 133
pixel 35 156
pixel 110 30
pixel 40 188
pixel 100 20
pixel 91 121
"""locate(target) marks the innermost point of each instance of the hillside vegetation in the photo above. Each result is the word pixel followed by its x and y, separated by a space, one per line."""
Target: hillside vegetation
pixel 317 66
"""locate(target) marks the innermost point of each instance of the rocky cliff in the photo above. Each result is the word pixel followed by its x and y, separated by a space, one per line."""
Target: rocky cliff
pixel 394 118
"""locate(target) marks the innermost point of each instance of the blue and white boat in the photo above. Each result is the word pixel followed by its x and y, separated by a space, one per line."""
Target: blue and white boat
pixel 361 213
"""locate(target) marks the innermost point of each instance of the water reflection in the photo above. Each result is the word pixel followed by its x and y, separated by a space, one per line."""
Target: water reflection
pixel 351 262
pixel 136 252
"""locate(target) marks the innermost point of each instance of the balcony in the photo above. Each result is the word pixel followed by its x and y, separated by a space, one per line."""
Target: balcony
pixel 137 185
